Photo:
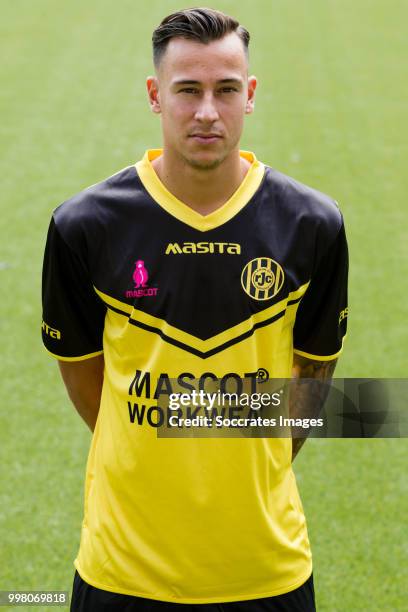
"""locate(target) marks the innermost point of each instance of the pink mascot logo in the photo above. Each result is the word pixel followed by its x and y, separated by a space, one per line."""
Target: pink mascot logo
pixel 140 275
pixel 140 278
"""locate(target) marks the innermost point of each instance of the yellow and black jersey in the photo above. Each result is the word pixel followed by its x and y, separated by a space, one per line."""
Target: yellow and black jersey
pixel 168 294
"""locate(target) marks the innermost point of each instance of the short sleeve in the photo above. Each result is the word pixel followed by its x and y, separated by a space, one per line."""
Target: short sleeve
pixel 321 320
pixel 73 314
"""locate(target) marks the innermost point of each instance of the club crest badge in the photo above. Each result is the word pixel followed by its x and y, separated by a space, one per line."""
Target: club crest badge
pixel 262 278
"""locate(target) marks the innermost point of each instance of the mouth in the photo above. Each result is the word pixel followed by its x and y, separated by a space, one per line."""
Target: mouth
pixel 203 138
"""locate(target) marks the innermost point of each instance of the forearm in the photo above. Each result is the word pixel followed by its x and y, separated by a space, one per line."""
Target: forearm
pixel 83 381
pixel 307 400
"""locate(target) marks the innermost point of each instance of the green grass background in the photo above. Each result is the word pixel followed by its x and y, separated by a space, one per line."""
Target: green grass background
pixel 331 111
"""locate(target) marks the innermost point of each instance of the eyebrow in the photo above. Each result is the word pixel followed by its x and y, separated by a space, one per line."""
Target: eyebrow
pixel 192 82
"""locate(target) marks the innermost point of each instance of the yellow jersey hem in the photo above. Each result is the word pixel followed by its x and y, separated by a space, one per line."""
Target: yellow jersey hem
pixel 321 357
pixel 198 600
pixel 79 358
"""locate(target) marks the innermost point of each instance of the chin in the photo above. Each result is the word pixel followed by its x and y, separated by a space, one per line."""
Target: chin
pixel 204 162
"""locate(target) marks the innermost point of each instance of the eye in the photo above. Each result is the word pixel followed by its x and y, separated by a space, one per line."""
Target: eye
pixel 228 89
pixel 189 90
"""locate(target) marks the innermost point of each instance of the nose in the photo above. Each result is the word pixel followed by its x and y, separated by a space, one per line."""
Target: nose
pixel 206 111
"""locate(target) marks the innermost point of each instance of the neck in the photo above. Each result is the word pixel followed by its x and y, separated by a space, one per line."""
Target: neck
pixel 203 190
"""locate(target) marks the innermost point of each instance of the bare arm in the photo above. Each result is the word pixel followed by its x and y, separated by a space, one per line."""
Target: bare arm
pixel 308 400
pixel 83 381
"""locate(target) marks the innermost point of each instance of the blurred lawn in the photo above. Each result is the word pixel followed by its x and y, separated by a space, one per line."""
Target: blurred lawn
pixel 331 111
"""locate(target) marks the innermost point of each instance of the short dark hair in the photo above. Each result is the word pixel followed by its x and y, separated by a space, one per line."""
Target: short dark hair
pixel 201 24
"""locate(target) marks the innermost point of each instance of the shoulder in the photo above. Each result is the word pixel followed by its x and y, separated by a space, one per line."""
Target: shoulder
pixel 310 209
pixel 94 208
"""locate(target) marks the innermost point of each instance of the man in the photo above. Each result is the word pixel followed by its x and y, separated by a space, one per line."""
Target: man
pixel 196 265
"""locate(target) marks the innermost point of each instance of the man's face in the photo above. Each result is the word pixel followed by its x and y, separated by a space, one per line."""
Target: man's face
pixel 202 92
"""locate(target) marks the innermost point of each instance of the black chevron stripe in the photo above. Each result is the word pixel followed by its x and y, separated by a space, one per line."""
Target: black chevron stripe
pixel 214 351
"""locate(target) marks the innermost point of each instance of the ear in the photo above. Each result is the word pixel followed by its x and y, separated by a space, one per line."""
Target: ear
pixel 252 83
pixel 152 85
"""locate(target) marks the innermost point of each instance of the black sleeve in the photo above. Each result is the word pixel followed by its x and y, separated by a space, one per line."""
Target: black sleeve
pixel 73 314
pixel 321 320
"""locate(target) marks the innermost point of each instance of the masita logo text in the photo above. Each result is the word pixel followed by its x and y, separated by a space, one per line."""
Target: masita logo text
pixel 201 248
pixel 51 331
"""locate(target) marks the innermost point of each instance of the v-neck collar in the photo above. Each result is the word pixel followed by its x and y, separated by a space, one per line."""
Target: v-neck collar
pixel 185 213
